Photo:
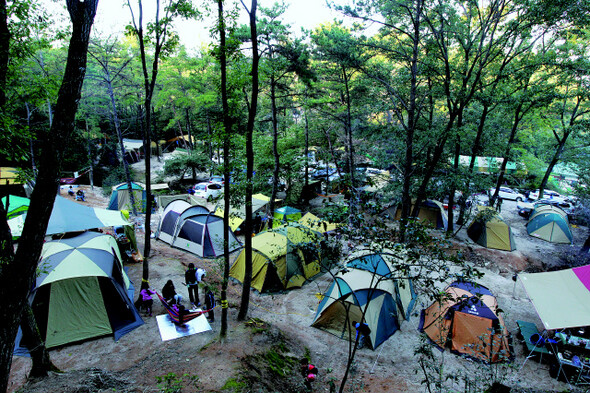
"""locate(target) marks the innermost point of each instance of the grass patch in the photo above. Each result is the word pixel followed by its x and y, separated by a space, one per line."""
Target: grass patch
pixel 234 385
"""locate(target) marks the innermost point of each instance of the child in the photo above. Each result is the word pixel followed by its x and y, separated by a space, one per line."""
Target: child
pixel 146 297
pixel 209 303
pixel 308 371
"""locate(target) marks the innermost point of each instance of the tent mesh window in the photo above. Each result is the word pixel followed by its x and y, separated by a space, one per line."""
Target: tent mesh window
pixel 192 231
pixel 169 222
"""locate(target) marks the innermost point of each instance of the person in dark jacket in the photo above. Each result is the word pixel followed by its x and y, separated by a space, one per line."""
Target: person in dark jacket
pixel 169 293
pixel 209 303
pixel 190 279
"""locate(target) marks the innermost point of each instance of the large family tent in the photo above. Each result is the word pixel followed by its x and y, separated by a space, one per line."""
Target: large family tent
pixel 282 258
pixel 69 216
pixel 285 214
pixel 82 291
pixel 550 223
pixel 561 297
pixel 490 230
pixel 194 229
pixel 368 284
pixel 121 197
pixel 467 320
pixel 16 206
pixel 430 211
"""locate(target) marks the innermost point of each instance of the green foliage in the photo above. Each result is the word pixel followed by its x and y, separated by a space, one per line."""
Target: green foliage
pixel 171 383
pixel 234 385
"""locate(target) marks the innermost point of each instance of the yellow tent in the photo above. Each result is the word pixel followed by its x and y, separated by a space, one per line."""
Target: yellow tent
pixel 282 258
pixel 315 223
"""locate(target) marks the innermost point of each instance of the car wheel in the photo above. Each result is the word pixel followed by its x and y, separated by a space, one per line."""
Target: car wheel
pixel 519 199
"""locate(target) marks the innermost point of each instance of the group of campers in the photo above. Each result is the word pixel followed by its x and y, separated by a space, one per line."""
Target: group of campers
pixel 193 277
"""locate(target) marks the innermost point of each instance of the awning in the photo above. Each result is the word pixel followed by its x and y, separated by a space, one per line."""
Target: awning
pixel 561 298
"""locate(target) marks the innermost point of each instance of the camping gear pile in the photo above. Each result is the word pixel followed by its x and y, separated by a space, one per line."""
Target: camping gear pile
pixel 468 320
pixel 367 291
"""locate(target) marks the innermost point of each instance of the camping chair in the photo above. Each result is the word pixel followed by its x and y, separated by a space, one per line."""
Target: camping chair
pixel 174 314
pixel 533 340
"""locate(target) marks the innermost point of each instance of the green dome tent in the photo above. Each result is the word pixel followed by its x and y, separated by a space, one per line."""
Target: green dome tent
pixel 121 197
pixel 489 230
pixel 368 284
pixel 550 223
pixel 282 258
pixel 83 291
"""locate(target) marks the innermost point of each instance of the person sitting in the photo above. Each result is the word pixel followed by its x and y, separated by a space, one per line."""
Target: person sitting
pixel 169 294
pixel 146 297
pixel 71 191
pixel 80 196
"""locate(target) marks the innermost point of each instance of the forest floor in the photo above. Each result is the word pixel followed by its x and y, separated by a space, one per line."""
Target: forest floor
pixel 261 353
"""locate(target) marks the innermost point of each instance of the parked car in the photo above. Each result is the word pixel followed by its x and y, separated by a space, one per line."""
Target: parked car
pixel 508 193
pixel 330 174
pixel 216 179
pixel 534 195
pixel 209 191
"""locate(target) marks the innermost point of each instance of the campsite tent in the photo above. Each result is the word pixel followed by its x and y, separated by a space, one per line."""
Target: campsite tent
pixel 430 211
pixel 368 283
pixel 82 291
pixel 16 206
pixel 282 258
pixel 285 214
pixel 194 229
pixel 69 216
pixel 561 298
pixel 316 224
pixel 549 223
pixel 237 215
pixel 467 320
pixel 121 197
pixel 490 230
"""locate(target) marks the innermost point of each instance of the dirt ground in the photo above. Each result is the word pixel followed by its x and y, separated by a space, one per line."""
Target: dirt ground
pixel 204 363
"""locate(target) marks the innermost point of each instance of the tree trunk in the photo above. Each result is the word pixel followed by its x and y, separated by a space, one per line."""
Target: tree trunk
pixel 250 164
pixel 17 270
pixel 227 125
pixel 39 355
pixel 4 51
pixel 275 149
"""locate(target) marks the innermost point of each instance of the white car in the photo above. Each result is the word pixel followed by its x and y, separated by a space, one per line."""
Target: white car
pixel 546 194
pixel 508 193
pixel 208 191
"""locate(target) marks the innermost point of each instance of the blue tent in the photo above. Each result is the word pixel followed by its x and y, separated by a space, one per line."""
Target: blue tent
pixel 69 216
pixel 121 197
pixel 367 291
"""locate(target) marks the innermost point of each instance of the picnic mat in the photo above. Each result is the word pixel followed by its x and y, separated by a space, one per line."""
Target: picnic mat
pixel 170 331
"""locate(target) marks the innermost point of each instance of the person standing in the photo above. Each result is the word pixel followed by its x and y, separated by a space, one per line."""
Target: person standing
pixel 190 278
pixel 199 275
pixel 209 303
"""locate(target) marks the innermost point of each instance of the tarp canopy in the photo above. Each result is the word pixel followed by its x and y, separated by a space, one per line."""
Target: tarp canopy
pixel 368 284
pixel 550 223
pixel 561 298
pixel 83 291
pixel 282 258
pixel 316 224
pixel 468 321
pixel 490 230
pixel 16 206
pixel 69 216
